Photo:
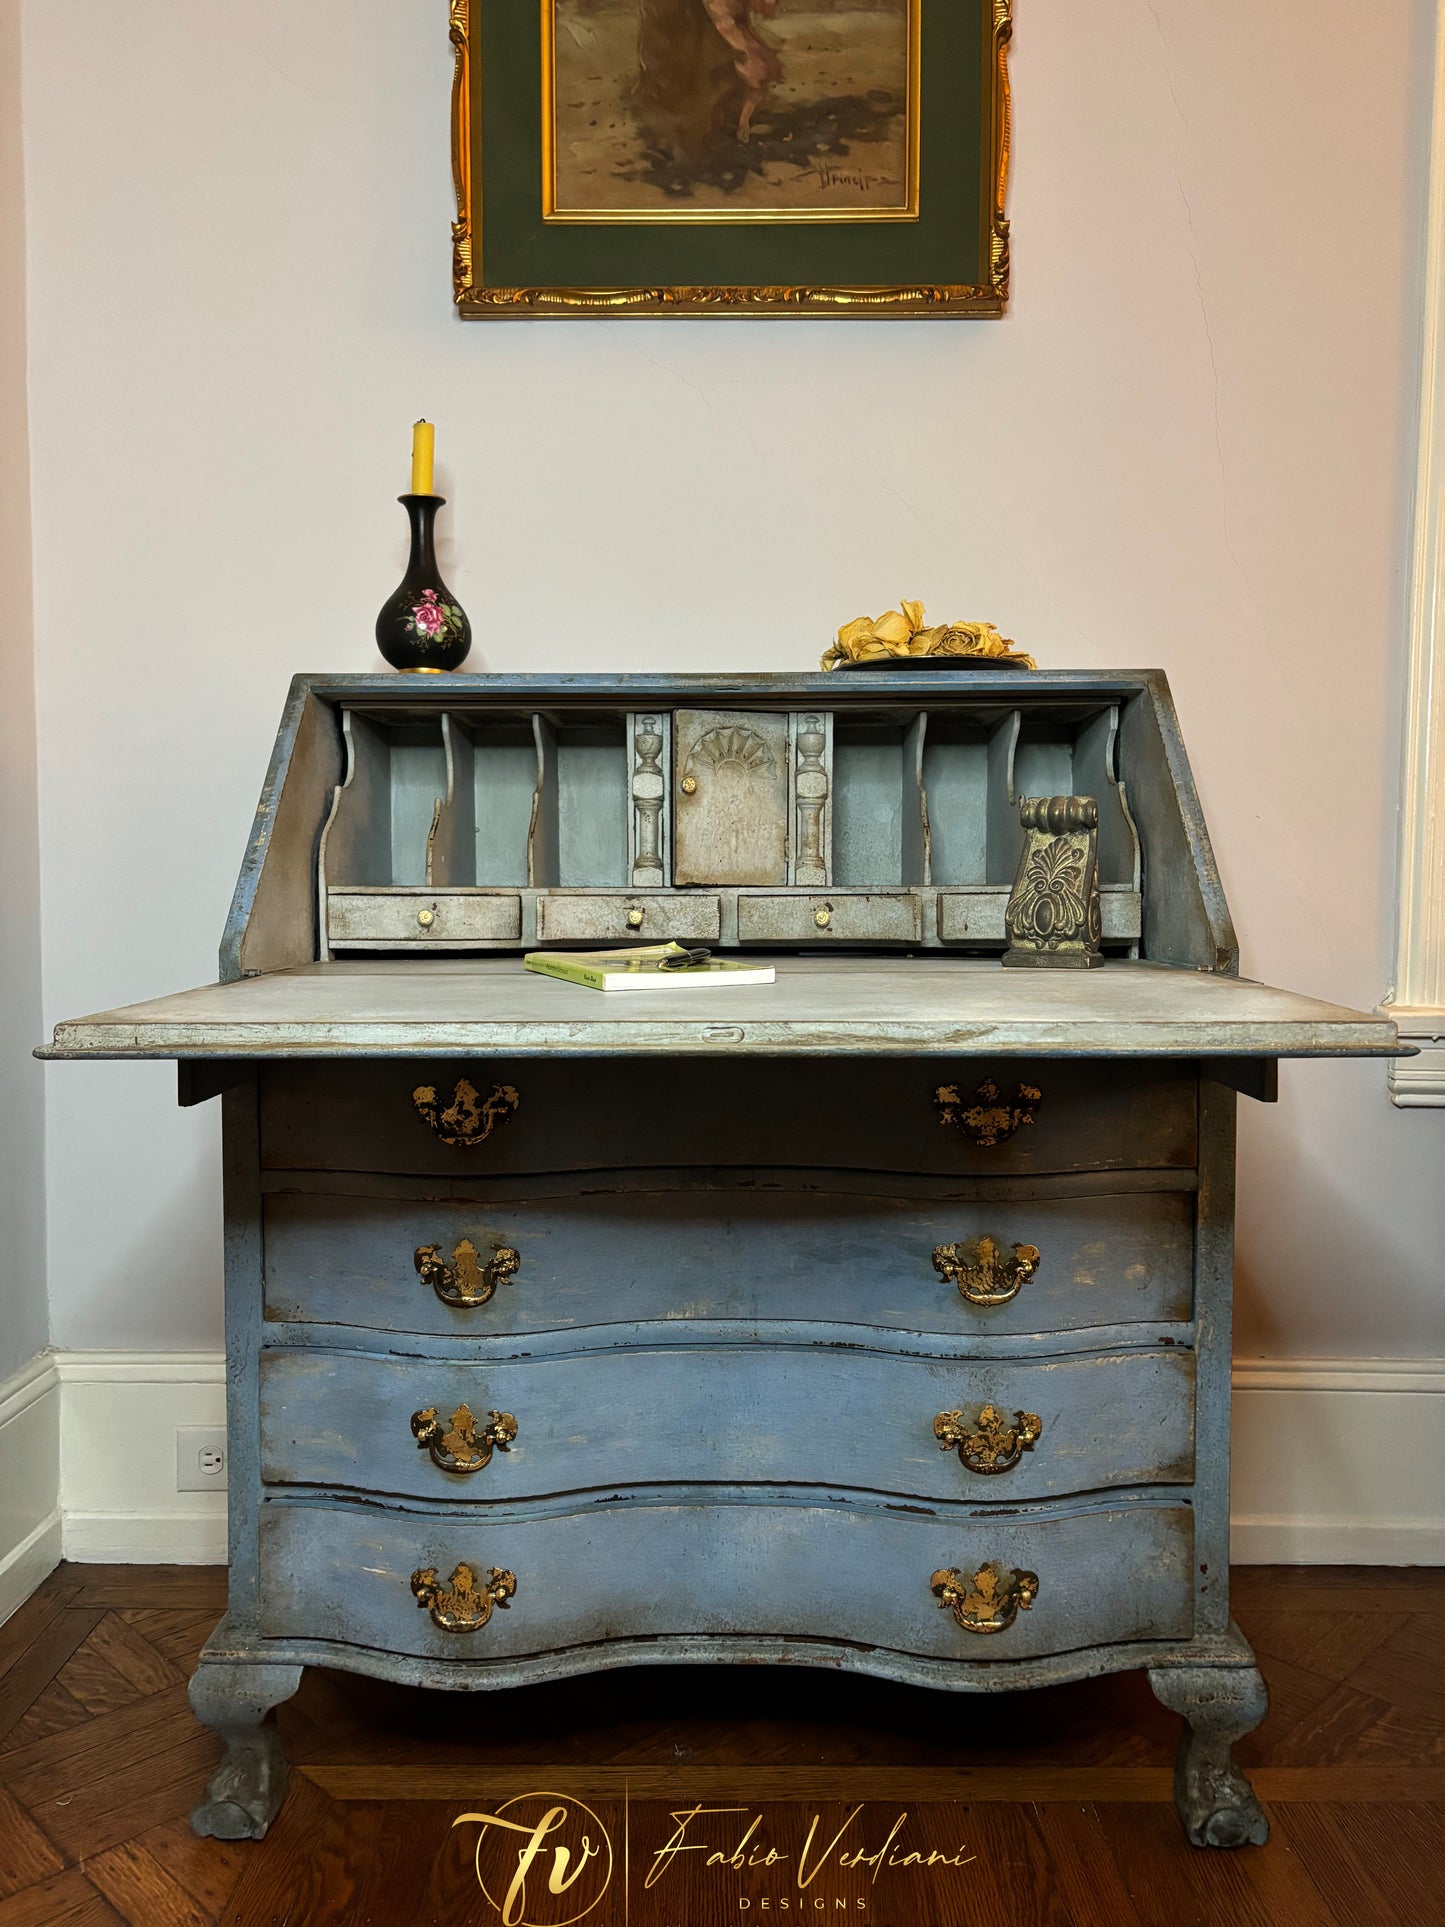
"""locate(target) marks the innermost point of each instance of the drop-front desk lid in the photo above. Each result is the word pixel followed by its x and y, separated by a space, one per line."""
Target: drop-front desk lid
pixel 879 1006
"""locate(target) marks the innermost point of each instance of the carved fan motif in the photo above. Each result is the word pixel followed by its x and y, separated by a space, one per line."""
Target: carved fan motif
pixel 731 744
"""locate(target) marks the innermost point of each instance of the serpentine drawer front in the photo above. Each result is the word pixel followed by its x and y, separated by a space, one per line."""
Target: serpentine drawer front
pixel 649 1567
pixel 839 1112
pixel 759 1414
pixel 669 1246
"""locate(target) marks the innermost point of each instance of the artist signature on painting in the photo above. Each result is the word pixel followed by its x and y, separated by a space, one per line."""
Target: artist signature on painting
pixel 827 178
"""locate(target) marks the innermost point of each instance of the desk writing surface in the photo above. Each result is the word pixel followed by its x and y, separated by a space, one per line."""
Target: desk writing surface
pixel 819 1005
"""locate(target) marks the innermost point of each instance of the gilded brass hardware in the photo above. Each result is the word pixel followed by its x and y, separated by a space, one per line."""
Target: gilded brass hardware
pixel 822 918
pixel 467 1119
pixel 689 786
pixel 983 1274
pixel 464 1281
pixel 990 1601
pixel 634 919
pixel 463 1604
pixel 991 1444
pixel 462 1446
pixel 426 918
pixel 983 1118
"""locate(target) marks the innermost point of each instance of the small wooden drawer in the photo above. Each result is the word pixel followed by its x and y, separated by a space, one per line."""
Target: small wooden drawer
pixel 836 917
pixel 438 917
pixel 657 1246
pixel 838 1112
pixel 727 1414
pixel 977 916
pixel 589 917
pixel 647 1567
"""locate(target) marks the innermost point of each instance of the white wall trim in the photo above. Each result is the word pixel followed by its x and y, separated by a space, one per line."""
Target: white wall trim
pixel 30 1516
pixel 122 1506
pixel 1337 1462
pixel 1417 1001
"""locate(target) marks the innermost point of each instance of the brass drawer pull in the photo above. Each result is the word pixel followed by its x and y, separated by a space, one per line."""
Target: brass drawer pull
pixel 990 1601
pixel 990 1444
pixel 982 1272
pixel 983 1118
pixel 462 1446
pixel 467 1119
pixel 463 1604
pixel 464 1282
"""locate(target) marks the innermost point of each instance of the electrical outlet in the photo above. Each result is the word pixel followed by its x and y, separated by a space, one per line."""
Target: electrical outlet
pixel 200 1458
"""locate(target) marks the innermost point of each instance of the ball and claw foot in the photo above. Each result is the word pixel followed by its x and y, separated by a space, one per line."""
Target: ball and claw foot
pixel 249 1785
pixel 1220 1705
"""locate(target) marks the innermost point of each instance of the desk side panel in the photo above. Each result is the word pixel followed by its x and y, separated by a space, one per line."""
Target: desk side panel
pixel 273 920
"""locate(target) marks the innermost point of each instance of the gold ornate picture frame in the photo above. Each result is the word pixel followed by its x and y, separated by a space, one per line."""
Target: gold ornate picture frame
pixel 841 158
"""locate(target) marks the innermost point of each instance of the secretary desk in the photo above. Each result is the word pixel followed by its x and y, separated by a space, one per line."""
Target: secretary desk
pixel 877 1319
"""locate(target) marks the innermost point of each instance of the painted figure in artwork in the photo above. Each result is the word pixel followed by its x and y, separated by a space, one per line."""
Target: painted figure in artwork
pixel 747 106
pixel 703 70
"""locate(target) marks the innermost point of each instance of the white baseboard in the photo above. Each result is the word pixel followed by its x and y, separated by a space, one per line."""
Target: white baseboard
pixel 29 1480
pixel 1336 1462
pixel 119 1413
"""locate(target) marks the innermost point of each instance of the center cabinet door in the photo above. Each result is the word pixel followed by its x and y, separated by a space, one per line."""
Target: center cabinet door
pixel 731 797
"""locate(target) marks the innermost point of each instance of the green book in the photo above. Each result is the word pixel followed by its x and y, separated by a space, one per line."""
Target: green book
pixel 654 966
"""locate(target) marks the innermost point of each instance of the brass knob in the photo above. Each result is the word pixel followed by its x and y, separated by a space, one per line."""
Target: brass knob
pixel 464 1604
pixel 989 1601
pixel 689 786
pixel 989 1445
pixel 822 918
pixel 426 918
pixel 462 1446
pixel 634 918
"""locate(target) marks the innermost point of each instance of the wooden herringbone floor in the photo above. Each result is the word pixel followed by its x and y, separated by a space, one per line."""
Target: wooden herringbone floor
pixel 1063 1795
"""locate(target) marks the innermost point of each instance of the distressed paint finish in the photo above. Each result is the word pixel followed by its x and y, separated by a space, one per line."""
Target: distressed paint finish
pixel 840 1113
pixel 819 1006
pixel 725 1344
pixel 680 1247
pixel 761 1413
pixel 653 1565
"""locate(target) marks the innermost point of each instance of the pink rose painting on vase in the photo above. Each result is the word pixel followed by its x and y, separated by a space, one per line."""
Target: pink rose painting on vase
pixel 746 106
pixel 432 621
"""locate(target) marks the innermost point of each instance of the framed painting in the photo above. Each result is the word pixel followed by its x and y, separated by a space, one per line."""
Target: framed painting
pixel 730 157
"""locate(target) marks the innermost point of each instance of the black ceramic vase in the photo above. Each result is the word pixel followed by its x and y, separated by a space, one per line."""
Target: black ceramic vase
pixel 423 626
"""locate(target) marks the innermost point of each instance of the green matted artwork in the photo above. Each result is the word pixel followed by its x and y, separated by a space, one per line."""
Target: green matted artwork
pixel 731 157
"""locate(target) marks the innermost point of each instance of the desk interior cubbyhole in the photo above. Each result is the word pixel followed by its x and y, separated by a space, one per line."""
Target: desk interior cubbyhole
pixel 383 811
pixel 485 818
pixel 579 837
pixel 878 810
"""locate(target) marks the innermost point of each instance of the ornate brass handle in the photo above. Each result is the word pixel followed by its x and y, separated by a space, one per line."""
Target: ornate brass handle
pixel 983 1274
pixel 466 1119
pixel 990 1444
pixel 984 1118
pixel 462 1446
pixel 990 1601
pixel 465 1282
pixel 463 1604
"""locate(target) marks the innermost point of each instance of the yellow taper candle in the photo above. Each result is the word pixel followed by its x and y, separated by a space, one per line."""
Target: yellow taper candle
pixel 423 446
